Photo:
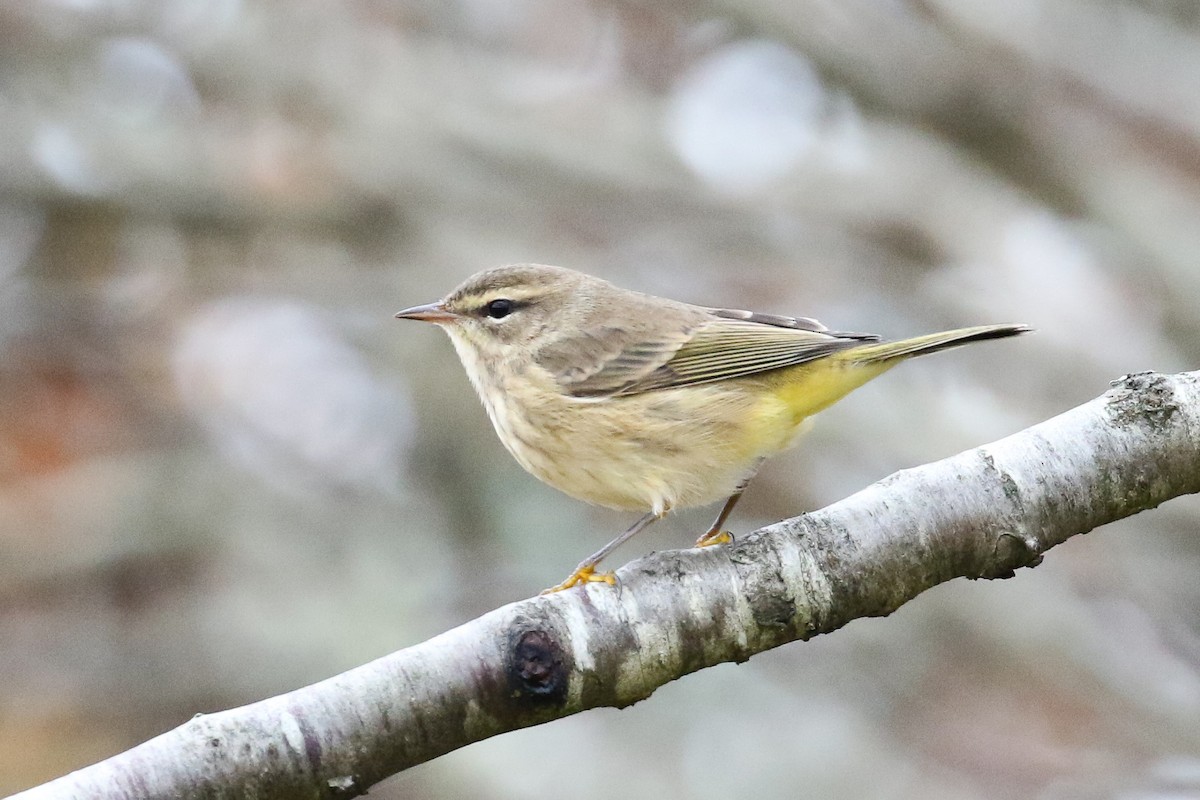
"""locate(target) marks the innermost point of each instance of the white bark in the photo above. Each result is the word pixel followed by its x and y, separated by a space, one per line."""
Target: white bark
pixel 982 513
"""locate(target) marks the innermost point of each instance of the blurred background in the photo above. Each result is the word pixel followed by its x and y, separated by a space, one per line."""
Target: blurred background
pixel 226 471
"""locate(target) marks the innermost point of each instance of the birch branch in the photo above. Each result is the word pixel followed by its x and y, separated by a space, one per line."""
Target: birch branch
pixel 980 514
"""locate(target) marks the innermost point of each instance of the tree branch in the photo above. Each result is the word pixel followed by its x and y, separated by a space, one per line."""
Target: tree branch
pixel 980 514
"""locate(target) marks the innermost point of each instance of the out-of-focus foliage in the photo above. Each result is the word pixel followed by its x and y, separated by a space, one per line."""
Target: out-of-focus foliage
pixel 225 471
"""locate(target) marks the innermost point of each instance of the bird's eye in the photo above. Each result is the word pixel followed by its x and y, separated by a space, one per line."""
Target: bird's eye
pixel 498 309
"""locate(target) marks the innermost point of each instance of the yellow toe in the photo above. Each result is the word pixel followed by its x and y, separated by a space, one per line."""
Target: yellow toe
pixel 585 574
pixel 714 537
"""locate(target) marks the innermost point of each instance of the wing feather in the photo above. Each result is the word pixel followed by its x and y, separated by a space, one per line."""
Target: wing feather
pixel 724 344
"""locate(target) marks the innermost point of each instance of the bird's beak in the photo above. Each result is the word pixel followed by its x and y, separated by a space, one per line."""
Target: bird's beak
pixel 430 312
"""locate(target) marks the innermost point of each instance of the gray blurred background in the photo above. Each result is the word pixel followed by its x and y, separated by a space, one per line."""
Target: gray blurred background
pixel 226 471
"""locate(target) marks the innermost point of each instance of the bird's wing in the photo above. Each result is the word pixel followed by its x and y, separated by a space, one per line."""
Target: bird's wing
pixel 605 359
pixel 725 343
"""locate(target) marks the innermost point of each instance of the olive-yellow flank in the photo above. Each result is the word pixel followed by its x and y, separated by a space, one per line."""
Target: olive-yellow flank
pixel 637 402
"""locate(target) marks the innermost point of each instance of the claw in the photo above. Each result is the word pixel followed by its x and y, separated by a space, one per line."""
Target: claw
pixel 714 537
pixel 586 573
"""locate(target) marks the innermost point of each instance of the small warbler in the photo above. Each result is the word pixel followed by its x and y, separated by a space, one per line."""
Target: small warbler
pixel 637 402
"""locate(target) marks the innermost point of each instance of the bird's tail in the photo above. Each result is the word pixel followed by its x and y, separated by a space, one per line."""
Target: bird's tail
pixel 880 352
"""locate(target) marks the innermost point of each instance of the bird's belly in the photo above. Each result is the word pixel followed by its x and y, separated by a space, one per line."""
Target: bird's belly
pixel 672 448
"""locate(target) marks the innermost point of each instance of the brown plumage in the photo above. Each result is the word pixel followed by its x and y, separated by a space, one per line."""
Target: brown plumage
pixel 639 402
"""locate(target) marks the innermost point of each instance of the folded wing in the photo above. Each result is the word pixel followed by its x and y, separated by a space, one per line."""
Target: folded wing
pixel 723 344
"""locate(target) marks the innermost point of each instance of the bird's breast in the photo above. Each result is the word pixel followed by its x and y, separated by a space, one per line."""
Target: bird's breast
pixel 658 450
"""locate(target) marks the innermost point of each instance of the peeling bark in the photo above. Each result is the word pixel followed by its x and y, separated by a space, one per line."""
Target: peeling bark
pixel 981 514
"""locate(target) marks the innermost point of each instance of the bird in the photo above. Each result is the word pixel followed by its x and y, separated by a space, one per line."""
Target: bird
pixel 642 403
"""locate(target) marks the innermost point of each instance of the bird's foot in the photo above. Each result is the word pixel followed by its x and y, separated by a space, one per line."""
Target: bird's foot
pixel 713 537
pixel 584 573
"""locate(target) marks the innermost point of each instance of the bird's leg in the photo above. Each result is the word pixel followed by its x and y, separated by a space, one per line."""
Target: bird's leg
pixel 716 533
pixel 586 571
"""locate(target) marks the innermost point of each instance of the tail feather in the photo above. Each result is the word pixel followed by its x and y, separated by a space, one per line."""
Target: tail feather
pixel 875 353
